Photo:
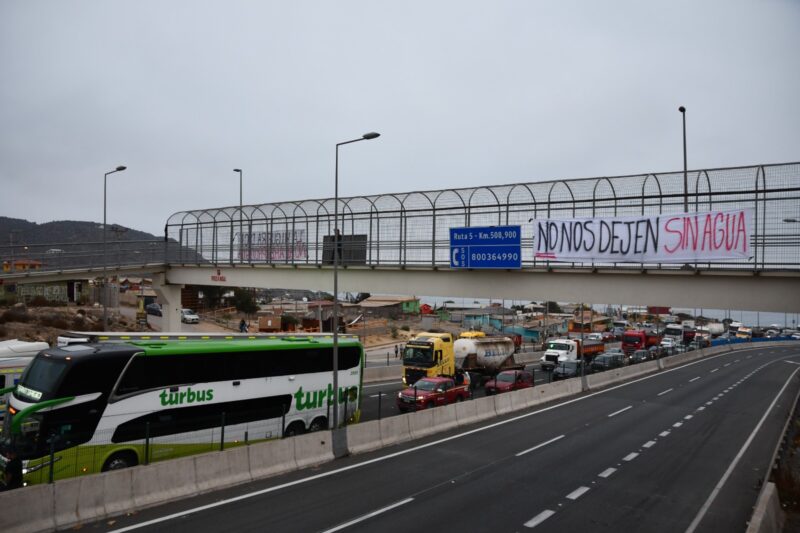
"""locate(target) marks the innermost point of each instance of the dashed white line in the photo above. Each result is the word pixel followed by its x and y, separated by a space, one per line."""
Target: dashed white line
pixel 615 413
pixel 727 364
pixel 631 456
pixel 577 493
pixel 663 392
pixel 607 472
pixel 540 445
pixel 663 433
pixel 713 370
pixel 701 408
pixel 688 417
pixel 369 515
pixel 677 424
pixel 539 518
pixel 694 379
pixel 649 444
pixel 737 360
pixel 709 402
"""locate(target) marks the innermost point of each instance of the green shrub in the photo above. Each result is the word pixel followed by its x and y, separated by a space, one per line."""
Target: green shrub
pixel 394 332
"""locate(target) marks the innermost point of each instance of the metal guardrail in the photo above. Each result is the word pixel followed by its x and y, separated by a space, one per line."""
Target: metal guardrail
pixel 412 229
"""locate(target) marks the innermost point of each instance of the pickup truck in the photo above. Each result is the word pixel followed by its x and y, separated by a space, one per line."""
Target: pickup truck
pixel 509 380
pixel 431 392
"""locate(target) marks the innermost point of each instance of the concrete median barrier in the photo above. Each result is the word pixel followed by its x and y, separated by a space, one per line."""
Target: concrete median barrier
pixel 383 373
pixel 28 509
pixel 502 403
pixel 364 437
pixel 444 418
pixel 163 482
pixel 118 490
pixel 421 423
pixel 222 469
pixel 271 457
pixel 312 448
pixel 484 408
pixel 80 499
pixel 466 413
pixel 520 399
pixel 395 429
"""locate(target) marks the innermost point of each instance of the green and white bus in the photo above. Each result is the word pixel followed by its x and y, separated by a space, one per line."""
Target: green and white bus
pixel 107 399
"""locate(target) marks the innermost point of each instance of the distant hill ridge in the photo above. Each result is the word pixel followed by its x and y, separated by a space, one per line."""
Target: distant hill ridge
pixel 17 231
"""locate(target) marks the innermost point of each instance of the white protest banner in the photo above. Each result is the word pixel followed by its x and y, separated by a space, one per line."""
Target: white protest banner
pixel 668 238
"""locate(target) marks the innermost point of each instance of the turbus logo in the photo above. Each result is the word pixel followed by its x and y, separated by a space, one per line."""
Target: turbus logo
pixel 187 396
pixel 314 399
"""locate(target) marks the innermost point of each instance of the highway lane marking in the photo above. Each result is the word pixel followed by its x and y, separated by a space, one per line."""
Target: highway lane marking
pixel 615 413
pixel 649 444
pixel 403 452
pixel 662 393
pixel 709 402
pixel 727 364
pixel 631 456
pixel 714 370
pixel 677 424
pixel 694 379
pixel 732 466
pixel 540 445
pixel 539 518
pixel 607 472
pixel 369 515
pixel 688 417
pixel 701 408
pixel 737 360
pixel 577 493
pixel 663 433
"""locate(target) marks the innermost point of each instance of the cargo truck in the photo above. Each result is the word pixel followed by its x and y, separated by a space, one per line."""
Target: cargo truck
pixel 432 354
pixel 562 350
pixel 639 339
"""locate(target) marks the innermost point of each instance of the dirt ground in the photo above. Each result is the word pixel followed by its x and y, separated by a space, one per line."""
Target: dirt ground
pixel 31 323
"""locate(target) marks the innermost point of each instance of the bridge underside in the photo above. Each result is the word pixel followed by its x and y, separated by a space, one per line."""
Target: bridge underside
pixel 775 292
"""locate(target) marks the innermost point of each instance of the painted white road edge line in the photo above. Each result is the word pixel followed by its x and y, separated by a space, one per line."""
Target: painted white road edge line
pixel 577 493
pixel 369 515
pixel 539 518
pixel 729 471
pixel 540 445
pixel 615 413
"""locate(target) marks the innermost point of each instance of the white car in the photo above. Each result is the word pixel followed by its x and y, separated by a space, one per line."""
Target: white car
pixel 668 343
pixel 189 317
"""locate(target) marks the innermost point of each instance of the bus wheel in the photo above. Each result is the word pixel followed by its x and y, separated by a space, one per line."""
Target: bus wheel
pixel 120 460
pixel 295 428
pixel 318 424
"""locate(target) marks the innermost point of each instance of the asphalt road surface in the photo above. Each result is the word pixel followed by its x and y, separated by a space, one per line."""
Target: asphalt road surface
pixel 681 450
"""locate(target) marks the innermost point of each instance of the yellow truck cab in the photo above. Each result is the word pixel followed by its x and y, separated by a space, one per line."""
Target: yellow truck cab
pixel 428 354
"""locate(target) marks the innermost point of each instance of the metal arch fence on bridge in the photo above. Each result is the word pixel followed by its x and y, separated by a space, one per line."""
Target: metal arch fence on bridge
pixel 411 229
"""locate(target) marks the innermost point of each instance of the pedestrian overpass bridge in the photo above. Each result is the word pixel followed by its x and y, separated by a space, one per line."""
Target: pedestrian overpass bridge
pixel 398 243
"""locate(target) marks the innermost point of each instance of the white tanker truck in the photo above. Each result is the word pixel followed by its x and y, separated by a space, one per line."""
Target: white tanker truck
pixel 485 356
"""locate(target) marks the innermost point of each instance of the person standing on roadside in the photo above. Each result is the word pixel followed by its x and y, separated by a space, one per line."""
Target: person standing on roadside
pixel 12 476
pixel 396 351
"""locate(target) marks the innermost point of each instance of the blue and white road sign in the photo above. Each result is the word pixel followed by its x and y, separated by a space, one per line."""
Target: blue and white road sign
pixel 486 247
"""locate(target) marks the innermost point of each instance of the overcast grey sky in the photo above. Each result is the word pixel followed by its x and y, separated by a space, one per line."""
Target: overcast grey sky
pixel 463 94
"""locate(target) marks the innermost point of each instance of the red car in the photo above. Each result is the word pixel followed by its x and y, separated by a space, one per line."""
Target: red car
pixel 431 392
pixel 509 380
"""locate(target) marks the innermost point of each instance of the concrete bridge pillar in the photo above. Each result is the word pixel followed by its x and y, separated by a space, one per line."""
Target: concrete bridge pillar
pixel 170 296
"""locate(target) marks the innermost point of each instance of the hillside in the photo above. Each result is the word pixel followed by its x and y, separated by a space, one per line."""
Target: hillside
pixel 19 232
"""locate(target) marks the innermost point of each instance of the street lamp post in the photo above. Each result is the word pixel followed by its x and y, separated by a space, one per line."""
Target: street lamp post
pixel 365 137
pixel 241 215
pixel 685 178
pixel 105 276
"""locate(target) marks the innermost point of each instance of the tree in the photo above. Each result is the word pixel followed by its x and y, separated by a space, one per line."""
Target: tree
pixel 243 301
pixel 553 307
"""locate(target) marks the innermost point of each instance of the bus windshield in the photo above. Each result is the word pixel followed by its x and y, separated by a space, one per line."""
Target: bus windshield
pixel 43 375
pixel 418 355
